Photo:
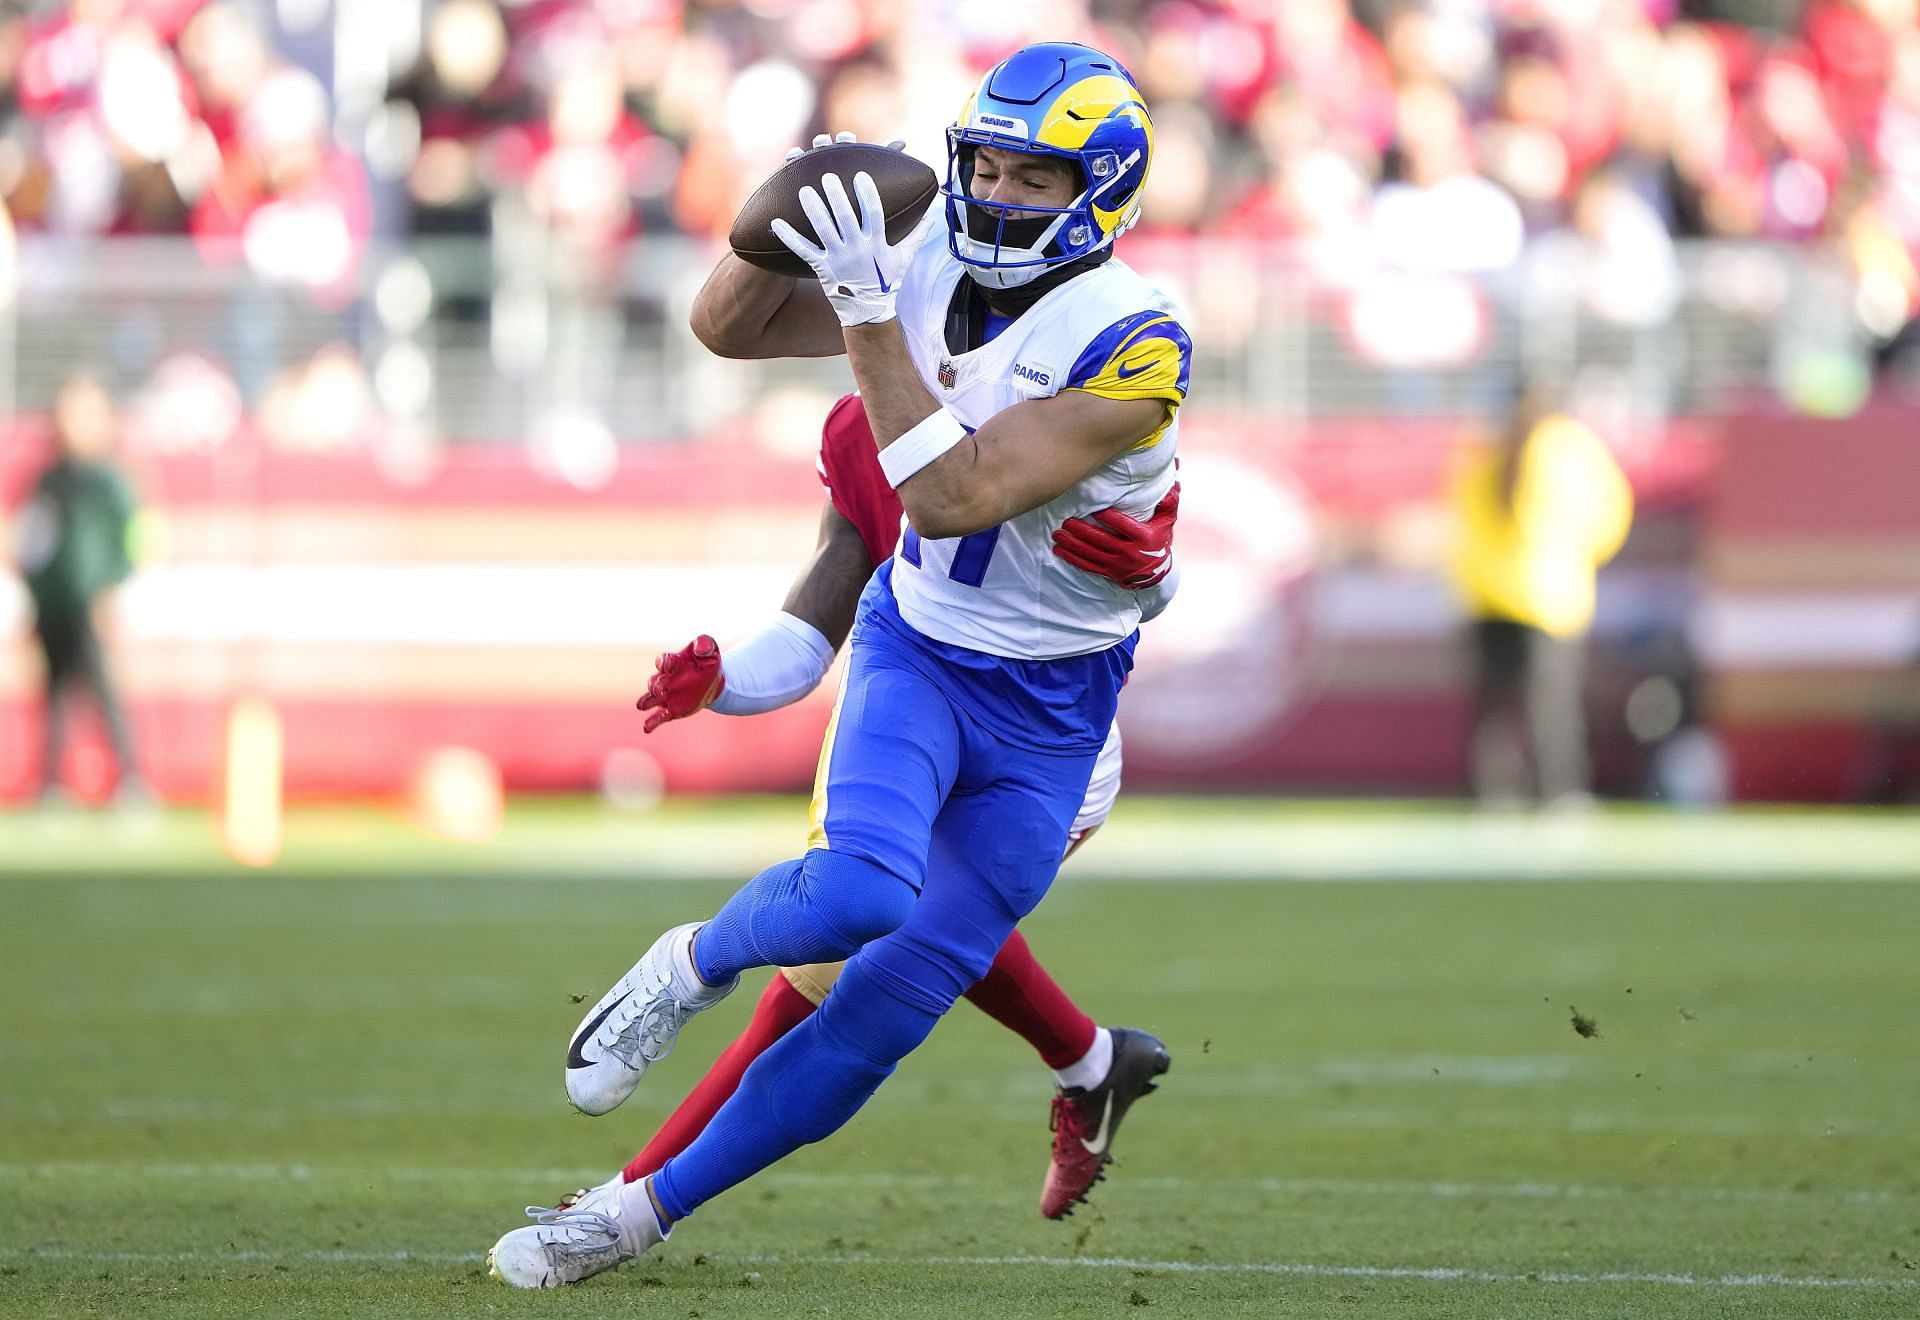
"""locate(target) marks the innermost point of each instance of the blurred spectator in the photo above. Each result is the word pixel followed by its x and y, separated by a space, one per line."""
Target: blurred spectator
pixel 576 169
pixel 226 59
pixel 1403 156
pixel 460 90
pixel 1434 223
pixel 1884 274
pixel 295 208
pixel 321 406
pixel 1535 516
pixel 287 199
pixel 1337 66
pixel 1310 188
pixel 74 549
pixel 130 112
pixel 1181 187
pixel 117 145
pixel 1435 213
pixel 1631 277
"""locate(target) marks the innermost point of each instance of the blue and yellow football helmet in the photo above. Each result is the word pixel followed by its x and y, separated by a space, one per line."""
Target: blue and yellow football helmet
pixel 1054 99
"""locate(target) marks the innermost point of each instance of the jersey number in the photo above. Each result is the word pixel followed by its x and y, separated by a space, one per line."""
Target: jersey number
pixel 970 557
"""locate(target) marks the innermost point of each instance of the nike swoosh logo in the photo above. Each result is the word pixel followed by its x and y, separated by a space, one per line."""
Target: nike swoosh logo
pixel 1126 369
pixel 880 275
pixel 1098 1146
pixel 574 1057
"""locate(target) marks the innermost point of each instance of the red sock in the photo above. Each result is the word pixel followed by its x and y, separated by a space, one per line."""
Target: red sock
pixel 780 1010
pixel 1017 993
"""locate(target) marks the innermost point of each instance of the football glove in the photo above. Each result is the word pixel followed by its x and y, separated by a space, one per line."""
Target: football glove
pixel 853 261
pixel 822 140
pixel 1125 551
pixel 684 683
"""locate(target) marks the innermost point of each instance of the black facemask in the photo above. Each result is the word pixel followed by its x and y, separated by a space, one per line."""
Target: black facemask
pixel 986 225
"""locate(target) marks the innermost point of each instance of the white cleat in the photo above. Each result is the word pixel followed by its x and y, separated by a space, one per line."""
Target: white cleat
pixel 587 1234
pixel 637 1022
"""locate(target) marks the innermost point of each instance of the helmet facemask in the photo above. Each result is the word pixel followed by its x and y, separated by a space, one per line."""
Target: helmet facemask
pixel 1005 247
pixel 1063 102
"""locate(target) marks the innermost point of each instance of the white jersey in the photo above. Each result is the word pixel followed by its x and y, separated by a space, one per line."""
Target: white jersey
pixel 1003 590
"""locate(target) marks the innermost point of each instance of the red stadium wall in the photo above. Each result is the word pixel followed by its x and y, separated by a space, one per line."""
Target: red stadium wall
pixel 1811 629
pixel 479 602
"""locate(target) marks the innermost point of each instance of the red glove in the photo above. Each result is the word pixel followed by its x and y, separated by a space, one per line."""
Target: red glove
pixel 1123 550
pixel 684 682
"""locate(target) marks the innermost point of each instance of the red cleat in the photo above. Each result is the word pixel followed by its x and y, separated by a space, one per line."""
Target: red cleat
pixel 1084 1121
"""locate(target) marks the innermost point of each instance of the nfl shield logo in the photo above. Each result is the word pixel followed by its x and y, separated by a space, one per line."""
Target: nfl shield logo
pixel 946 374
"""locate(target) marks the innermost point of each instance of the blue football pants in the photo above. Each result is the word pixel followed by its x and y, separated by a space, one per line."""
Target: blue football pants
pixel 932 840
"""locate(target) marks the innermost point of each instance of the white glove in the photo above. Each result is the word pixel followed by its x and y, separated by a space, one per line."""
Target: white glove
pixel 822 140
pixel 858 268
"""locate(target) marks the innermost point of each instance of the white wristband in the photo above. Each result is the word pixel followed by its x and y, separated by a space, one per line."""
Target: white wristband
pixel 773 668
pixel 935 434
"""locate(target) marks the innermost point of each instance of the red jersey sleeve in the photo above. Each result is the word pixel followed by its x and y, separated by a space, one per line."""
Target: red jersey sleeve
pixel 850 468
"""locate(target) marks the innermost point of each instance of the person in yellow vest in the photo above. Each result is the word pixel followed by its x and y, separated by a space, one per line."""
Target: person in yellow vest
pixel 1536 514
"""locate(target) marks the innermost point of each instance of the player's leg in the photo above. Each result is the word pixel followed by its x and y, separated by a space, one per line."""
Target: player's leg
pixel 1098 1072
pixel 1095 1083
pixel 782 1007
pixel 1018 993
pixel 890 756
pixel 881 789
pixel 888 763
pixel 595 1228
pixel 994 853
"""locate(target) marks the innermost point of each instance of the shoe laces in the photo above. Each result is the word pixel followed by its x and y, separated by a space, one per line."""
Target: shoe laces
pixel 651 1033
pixel 583 1230
pixel 1064 1120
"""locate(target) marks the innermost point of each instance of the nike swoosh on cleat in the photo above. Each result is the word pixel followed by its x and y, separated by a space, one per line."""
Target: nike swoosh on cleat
pixel 1098 1146
pixel 574 1057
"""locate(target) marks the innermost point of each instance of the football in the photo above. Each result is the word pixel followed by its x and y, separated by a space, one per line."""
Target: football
pixel 907 187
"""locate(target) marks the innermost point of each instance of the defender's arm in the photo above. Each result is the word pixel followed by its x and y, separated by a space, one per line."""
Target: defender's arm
pixel 827 592
pixel 782 662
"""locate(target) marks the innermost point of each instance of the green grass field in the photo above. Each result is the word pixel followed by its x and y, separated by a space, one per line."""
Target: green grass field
pixel 325 1089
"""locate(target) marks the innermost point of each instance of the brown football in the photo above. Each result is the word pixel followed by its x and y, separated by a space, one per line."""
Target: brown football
pixel 907 188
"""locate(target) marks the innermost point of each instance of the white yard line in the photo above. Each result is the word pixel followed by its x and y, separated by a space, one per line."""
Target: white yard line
pixel 564 1178
pixel 1011 1103
pixel 1437 1273
pixel 1297 1269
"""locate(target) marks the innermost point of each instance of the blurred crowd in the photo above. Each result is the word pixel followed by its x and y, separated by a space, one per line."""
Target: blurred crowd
pixel 1275 118
pixel 1438 138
